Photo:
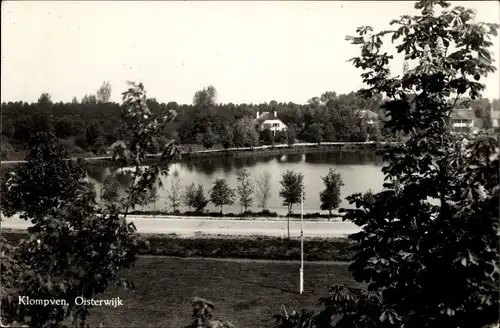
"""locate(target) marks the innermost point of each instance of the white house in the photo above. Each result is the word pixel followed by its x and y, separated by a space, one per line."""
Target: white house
pixel 369 117
pixel 271 122
pixel 463 120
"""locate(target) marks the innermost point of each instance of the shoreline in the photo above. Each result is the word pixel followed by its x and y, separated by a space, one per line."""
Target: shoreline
pixel 278 149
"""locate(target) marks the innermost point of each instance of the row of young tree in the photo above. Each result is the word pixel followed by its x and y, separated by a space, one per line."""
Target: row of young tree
pixel 252 191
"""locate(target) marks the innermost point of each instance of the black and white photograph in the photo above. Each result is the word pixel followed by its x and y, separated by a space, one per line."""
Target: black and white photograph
pixel 250 164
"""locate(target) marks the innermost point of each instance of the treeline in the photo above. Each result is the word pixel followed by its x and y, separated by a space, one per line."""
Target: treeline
pixel 92 124
pixel 89 126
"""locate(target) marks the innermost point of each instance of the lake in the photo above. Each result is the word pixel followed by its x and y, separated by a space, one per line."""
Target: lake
pixel 360 172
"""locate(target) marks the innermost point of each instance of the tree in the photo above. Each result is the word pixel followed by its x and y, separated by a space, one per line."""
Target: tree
pixel 89 100
pixel 63 127
pixel 482 110
pixel 103 94
pixel 267 136
pixel 199 138
pixel 245 189
pixel 328 96
pixel 291 134
pixel 92 134
pixel 495 104
pixel 150 196
pixel 200 201
pixel 314 133
pixel 209 138
pixel 72 249
pixel 194 197
pixel 206 97
pixel 226 136
pixel 281 137
pixel 74 101
pixel 189 195
pixel 221 194
pixel 368 197
pixel 110 187
pixel 244 133
pixel 457 237
pixel 330 196
pixel 99 145
pixel 44 182
pixel 291 188
pixel 174 196
pixel 263 190
pixel 44 104
pixel 44 99
pixel 329 132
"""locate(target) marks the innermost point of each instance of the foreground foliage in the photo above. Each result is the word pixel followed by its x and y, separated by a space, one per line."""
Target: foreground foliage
pixel 47 179
pixel 74 248
pixel 202 315
pixel 429 245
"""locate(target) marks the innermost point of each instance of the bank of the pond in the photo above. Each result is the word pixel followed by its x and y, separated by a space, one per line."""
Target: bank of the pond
pixel 280 149
pixel 236 247
pixel 188 153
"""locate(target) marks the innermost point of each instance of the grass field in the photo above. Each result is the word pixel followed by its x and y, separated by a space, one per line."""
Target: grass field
pixel 246 293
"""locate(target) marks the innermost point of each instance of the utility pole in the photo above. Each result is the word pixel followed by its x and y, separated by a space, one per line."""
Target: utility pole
pixel 302 242
pixel 288 224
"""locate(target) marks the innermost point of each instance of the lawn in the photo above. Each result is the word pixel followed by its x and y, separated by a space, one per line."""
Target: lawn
pixel 246 293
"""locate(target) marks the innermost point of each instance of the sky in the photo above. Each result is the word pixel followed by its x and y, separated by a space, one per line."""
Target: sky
pixel 251 51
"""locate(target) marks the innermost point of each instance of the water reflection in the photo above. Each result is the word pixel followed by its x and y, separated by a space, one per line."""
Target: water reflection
pixel 344 158
pixel 360 172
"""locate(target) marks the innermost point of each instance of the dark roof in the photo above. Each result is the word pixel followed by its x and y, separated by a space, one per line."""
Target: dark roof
pixel 267 116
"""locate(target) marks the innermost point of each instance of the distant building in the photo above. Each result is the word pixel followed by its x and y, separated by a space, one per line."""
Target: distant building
pixel 495 117
pixel 271 122
pixel 369 117
pixel 463 120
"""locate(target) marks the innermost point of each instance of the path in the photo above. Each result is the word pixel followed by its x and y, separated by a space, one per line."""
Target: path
pixel 194 226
